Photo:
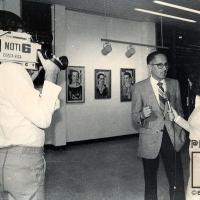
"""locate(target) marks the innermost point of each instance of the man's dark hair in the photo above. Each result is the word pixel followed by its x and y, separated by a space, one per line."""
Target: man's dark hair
pixel 127 73
pixel 10 21
pixel 152 55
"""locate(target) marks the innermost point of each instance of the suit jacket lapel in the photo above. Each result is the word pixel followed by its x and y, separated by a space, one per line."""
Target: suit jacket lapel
pixel 151 95
pixel 168 91
pixel 168 88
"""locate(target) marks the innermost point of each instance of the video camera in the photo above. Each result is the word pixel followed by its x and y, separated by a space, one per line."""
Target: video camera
pixel 20 46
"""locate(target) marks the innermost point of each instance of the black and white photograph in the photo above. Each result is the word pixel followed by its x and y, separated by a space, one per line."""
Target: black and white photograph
pixel 99 100
pixel 75 88
pixel 127 77
pixel 102 84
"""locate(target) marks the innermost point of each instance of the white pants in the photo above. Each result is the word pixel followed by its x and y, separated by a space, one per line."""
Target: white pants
pixel 22 172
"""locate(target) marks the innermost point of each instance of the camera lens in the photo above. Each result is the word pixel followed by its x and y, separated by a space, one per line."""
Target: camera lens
pixel 64 61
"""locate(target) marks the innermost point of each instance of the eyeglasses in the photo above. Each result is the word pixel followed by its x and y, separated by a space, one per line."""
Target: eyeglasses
pixel 161 65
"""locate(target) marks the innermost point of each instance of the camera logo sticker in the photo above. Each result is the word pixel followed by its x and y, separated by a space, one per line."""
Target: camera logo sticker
pixel 18 47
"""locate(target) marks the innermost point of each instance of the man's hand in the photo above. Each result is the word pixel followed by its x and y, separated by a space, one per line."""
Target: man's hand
pixel 34 73
pixel 174 112
pixel 171 116
pixel 51 69
pixel 146 112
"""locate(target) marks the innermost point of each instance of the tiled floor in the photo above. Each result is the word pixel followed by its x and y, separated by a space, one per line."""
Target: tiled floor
pixel 102 170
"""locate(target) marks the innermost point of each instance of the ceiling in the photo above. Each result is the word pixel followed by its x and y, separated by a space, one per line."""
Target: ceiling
pixel 124 9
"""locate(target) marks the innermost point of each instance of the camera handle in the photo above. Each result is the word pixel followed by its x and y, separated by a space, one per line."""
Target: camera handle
pixel 61 62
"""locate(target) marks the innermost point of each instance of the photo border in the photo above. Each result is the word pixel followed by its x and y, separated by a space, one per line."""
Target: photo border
pixel 122 70
pixel 107 72
pixel 81 70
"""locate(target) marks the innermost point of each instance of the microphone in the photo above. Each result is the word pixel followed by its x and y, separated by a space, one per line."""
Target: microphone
pixel 169 105
pixel 164 96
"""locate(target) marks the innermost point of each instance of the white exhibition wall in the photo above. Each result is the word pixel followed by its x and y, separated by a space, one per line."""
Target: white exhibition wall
pixel 79 38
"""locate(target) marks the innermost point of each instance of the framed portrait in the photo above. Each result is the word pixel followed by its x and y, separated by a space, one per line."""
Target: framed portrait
pixel 102 84
pixel 127 79
pixel 75 84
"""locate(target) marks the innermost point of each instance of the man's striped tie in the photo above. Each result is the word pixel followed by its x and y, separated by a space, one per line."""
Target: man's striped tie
pixel 162 96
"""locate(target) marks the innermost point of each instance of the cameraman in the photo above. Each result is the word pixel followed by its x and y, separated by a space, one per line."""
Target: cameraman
pixel 24 113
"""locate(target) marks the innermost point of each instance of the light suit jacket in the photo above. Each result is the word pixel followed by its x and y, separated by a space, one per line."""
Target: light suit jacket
pixel 151 129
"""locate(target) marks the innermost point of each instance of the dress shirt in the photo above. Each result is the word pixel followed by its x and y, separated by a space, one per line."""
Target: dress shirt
pixel 155 87
pixel 24 111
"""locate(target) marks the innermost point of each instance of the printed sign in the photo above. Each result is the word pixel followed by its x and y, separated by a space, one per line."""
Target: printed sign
pixel 17 50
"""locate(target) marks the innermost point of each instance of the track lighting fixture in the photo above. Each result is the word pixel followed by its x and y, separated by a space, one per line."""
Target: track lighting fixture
pixel 106 48
pixel 130 51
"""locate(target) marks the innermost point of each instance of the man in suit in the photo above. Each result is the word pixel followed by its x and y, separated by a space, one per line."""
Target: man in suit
pixel 158 136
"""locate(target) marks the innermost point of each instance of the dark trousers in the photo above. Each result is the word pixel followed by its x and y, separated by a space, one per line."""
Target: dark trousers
pixel 173 168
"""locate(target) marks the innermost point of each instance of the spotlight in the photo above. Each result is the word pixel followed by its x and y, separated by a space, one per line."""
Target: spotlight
pixel 130 51
pixel 106 48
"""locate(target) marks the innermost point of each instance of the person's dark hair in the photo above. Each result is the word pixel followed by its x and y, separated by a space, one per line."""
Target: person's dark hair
pixel 98 76
pixel 10 21
pixel 70 75
pixel 152 55
pixel 127 73
pixel 196 83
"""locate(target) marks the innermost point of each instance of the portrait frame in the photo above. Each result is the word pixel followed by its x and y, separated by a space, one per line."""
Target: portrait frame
pixel 102 89
pixel 75 84
pixel 126 74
